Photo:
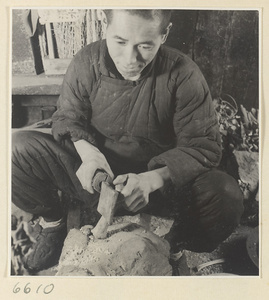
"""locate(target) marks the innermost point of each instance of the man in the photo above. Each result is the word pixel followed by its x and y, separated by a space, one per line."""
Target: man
pixel 142 112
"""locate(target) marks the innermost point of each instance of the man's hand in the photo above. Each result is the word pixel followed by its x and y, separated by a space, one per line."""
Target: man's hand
pixel 92 160
pixel 136 187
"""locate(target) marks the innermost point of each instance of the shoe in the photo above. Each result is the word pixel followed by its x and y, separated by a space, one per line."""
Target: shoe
pixel 47 247
pixel 179 264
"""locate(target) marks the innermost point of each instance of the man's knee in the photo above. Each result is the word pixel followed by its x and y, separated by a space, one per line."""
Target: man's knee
pixel 219 190
pixel 25 140
pixel 217 204
pixel 20 139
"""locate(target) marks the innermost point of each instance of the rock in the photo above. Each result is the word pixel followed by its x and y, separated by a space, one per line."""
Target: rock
pixel 159 226
pixel 72 271
pixel 75 242
pixel 131 252
pixel 248 163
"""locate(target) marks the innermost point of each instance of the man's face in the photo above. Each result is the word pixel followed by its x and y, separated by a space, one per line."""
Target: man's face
pixel 133 42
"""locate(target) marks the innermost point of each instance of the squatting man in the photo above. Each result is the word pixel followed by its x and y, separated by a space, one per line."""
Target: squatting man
pixel 142 112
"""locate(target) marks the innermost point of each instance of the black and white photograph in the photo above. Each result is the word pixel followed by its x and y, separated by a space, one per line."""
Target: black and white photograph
pixel 135 142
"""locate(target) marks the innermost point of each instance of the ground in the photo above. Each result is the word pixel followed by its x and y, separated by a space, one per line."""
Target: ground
pixel 230 258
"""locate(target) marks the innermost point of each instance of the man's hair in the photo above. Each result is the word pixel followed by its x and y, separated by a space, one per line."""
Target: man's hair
pixel 149 14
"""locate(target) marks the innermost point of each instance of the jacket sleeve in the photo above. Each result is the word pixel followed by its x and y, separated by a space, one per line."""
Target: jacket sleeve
pixel 72 118
pixel 198 144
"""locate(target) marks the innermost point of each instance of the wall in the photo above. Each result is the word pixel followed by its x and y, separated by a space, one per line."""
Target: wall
pixel 223 43
pixel 22 55
pixel 225 46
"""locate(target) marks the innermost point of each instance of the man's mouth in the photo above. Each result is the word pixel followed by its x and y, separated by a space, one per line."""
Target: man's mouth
pixel 130 69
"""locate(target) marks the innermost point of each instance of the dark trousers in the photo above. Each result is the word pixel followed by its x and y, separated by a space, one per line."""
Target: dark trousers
pixel 206 211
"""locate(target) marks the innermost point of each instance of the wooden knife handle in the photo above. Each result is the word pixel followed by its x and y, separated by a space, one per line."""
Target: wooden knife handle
pixel 98 178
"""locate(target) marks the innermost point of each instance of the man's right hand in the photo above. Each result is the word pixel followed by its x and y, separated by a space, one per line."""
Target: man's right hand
pixel 92 160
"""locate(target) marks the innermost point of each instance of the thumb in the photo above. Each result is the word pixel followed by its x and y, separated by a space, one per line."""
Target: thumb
pixel 108 170
pixel 121 179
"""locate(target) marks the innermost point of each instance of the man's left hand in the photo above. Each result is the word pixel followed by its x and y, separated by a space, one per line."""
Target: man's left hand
pixel 136 188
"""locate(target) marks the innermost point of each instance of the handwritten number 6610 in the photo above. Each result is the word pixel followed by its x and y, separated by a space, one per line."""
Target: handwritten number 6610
pixel 46 290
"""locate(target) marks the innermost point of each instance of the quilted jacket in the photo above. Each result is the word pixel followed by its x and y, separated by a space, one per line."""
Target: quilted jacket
pixel 165 118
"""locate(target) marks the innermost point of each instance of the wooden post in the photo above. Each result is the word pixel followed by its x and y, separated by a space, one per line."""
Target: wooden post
pixel 50 41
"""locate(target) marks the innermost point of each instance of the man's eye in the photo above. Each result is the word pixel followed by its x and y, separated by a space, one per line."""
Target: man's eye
pixel 145 47
pixel 121 43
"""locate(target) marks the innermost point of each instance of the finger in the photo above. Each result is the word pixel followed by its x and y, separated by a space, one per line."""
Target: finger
pixel 139 206
pixel 132 206
pixel 119 187
pixel 130 186
pixel 89 185
pixel 128 189
pixel 130 200
pixel 90 189
pixel 137 203
pixel 121 179
pixel 88 181
pixel 107 168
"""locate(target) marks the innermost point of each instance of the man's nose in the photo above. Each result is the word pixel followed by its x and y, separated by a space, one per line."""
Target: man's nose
pixel 130 55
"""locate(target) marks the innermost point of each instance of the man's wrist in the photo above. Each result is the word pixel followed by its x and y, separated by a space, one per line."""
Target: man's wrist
pixel 157 178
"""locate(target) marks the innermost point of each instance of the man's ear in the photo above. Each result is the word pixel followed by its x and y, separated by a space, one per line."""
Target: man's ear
pixel 104 19
pixel 165 35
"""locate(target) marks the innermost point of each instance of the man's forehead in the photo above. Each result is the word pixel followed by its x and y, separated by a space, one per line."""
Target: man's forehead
pixel 150 17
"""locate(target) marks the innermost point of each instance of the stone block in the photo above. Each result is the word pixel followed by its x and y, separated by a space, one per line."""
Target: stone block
pixel 129 250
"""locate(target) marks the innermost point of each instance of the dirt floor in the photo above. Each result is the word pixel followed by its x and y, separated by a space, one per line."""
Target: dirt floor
pixel 233 252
